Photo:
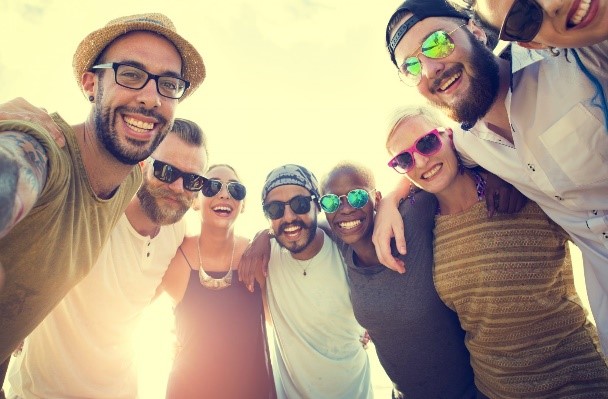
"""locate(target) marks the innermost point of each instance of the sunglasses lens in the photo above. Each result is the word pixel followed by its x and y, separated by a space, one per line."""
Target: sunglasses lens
pixel 329 203
pixel 237 191
pixel 428 144
pixel 274 210
pixel 300 204
pixel 522 22
pixel 193 182
pixel 357 198
pixel 211 187
pixel 438 45
pixel 164 172
pixel 403 162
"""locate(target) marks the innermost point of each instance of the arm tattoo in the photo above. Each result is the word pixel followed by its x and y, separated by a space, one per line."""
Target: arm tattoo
pixel 23 168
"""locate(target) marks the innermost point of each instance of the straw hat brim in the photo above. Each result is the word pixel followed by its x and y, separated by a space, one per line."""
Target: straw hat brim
pixel 91 46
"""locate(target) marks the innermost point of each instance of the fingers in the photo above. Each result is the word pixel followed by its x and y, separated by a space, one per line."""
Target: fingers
pixel 19 109
pixel 490 202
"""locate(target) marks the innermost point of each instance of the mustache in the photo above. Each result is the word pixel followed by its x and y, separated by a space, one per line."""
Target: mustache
pixel 297 223
pixel 142 111
pixel 449 72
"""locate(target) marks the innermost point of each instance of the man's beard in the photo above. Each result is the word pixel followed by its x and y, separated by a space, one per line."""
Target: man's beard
pixel 161 215
pixel 483 89
pixel 293 247
pixel 107 135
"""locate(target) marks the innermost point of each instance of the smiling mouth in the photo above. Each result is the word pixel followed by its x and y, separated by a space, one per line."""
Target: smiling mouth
pixel 137 125
pixel 222 210
pixel 350 224
pixel 449 82
pixel 580 13
pixel 432 172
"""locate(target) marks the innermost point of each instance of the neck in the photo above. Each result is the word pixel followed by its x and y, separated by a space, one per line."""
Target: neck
pixel 459 196
pixel 105 173
pixel 139 220
pixel 497 118
pixel 366 252
pixel 216 239
pixel 313 248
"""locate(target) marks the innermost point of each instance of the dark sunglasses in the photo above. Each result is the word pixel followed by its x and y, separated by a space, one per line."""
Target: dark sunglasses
pixel 438 44
pixel 356 198
pixel 523 21
pixel 300 204
pixel 169 173
pixel 426 145
pixel 213 186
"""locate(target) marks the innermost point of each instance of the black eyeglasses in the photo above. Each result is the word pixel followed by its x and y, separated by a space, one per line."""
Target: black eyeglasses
pixel 211 187
pixel 523 21
pixel 169 173
pixel 300 204
pixel 136 78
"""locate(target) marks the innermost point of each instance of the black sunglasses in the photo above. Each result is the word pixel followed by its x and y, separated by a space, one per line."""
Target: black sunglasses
pixel 211 187
pixel 523 21
pixel 300 204
pixel 169 173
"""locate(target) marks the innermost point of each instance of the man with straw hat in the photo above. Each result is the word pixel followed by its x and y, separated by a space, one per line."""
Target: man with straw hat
pixel 59 205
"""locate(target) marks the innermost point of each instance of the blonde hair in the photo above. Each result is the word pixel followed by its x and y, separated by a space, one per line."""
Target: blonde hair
pixel 404 113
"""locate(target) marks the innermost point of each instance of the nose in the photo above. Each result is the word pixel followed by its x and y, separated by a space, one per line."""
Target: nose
pixel 552 7
pixel 431 68
pixel 149 95
pixel 178 185
pixel 420 160
pixel 224 192
pixel 289 215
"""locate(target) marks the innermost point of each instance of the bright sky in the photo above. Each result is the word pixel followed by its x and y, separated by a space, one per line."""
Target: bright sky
pixel 288 81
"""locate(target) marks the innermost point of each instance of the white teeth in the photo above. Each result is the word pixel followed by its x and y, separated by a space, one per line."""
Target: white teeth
pixel 432 172
pixel 349 225
pixel 448 83
pixel 139 125
pixel 581 12
pixel 222 208
pixel 291 229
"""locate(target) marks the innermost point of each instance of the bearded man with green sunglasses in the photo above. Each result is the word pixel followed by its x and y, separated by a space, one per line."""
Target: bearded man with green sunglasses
pixel 536 121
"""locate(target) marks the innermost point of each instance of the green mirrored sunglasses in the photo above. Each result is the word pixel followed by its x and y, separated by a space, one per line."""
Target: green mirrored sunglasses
pixel 356 198
pixel 438 44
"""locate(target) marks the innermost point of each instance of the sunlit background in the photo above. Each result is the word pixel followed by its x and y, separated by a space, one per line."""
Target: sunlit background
pixel 288 81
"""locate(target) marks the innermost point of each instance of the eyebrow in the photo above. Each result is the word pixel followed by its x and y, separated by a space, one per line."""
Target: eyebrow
pixel 139 65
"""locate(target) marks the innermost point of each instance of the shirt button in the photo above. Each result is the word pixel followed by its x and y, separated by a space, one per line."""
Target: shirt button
pixel 148 254
pixel 557 197
pixel 531 167
pixel 594 212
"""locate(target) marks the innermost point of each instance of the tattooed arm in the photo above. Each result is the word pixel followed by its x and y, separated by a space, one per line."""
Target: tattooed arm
pixel 23 168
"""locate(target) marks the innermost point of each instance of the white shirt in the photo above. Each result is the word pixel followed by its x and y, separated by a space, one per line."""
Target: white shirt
pixel 559 160
pixel 317 353
pixel 83 348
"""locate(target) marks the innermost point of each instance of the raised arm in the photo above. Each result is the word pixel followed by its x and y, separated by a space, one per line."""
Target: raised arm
pixel 23 169
pixel 19 109
pixel 388 224
pixel 254 262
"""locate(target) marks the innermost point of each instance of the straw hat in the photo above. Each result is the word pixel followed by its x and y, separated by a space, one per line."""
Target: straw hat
pixel 91 46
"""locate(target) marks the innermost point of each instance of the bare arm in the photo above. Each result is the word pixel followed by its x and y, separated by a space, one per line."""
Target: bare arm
pixel 388 224
pixel 19 109
pixel 254 262
pixel 23 169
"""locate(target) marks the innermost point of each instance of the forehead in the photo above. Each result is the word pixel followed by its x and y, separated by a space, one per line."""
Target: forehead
pixel 153 51
pixel 184 156
pixel 222 173
pixel 286 192
pixel 408 130
pixel 341 182
pixel 414 37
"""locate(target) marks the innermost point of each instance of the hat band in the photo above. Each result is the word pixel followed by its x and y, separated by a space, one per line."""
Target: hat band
pixel 400 33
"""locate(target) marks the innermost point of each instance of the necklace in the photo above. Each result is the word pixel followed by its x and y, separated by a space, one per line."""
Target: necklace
pixel 207 280
pixel 304 267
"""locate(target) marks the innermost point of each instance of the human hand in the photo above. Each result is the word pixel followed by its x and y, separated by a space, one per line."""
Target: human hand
pixel 388 224
pixel 19 109
pixel 502 196
pixel 364 339
pixel 254 262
